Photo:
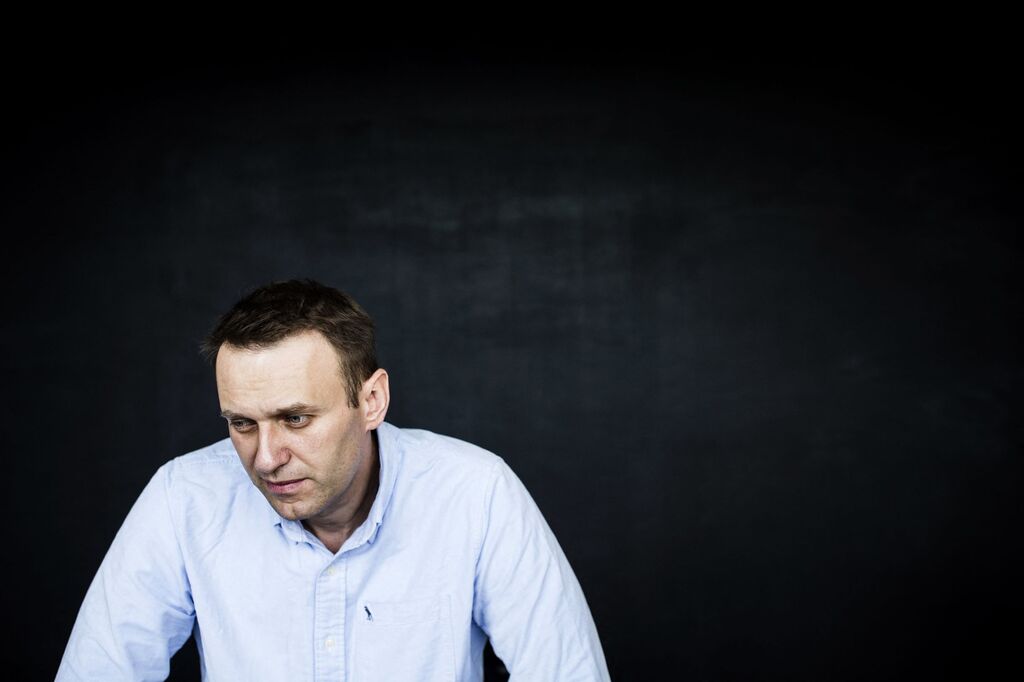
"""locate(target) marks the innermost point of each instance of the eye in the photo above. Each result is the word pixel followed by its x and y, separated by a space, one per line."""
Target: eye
pixel 297 420
pixel 242 425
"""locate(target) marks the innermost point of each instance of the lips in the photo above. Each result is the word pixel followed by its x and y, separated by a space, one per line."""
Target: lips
pixel 284 487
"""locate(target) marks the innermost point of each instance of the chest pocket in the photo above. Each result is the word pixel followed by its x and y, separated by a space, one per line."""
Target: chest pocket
pixel 409 641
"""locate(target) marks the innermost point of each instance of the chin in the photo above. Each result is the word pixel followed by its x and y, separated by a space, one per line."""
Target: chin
pixel 287 511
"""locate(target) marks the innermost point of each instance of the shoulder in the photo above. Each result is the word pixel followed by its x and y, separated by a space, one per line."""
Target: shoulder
pixel 425 453
pixel 429 467
pixel 215 463
pixel 209 476
pixel 439 482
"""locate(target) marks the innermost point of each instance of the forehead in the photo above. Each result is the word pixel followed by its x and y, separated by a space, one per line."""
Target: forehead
pixel 301 367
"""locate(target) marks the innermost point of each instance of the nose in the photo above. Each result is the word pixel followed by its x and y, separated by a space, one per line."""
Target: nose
pixel 271 453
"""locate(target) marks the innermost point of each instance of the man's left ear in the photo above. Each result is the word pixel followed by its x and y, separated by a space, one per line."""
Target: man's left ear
pixel 376 398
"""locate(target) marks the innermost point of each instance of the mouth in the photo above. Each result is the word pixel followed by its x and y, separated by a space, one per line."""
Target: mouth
pixel 284 487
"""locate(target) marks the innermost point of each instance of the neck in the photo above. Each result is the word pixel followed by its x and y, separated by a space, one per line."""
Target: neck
pixel 335 530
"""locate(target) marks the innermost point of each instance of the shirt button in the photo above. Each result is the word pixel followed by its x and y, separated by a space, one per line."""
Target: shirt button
pixel 329 642
pixel 330 571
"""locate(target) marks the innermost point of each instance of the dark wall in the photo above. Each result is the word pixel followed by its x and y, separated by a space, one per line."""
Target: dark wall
pixel 749 333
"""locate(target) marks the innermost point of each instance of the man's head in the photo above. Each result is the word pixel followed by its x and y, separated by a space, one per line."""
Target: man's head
pixel 276 311
pixel 302 435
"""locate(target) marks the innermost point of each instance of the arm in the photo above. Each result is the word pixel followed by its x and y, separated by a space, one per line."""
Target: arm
pixel 527 598
pixel 138 610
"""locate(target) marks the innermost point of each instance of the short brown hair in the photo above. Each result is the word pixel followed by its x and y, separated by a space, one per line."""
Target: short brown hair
pixel 278 310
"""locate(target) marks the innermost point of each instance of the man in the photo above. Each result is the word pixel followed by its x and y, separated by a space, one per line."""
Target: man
pixel 342 548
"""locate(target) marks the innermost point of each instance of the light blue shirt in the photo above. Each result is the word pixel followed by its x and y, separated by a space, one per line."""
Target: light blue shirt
pixel 454 551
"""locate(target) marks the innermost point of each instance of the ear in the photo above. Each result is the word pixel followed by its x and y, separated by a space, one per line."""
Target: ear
pixel 375 398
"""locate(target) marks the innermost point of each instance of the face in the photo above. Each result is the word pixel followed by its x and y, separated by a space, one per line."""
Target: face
pixel 304 447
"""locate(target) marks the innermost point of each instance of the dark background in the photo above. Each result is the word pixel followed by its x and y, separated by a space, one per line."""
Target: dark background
pixel 747 328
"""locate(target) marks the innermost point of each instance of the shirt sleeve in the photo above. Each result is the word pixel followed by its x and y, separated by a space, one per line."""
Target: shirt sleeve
pixel 138 610
pixel 527 598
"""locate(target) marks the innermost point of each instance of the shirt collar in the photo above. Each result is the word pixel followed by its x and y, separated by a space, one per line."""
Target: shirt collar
pixel 390 457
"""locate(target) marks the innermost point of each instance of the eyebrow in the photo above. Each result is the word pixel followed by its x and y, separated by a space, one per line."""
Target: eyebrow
pixel 294 408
